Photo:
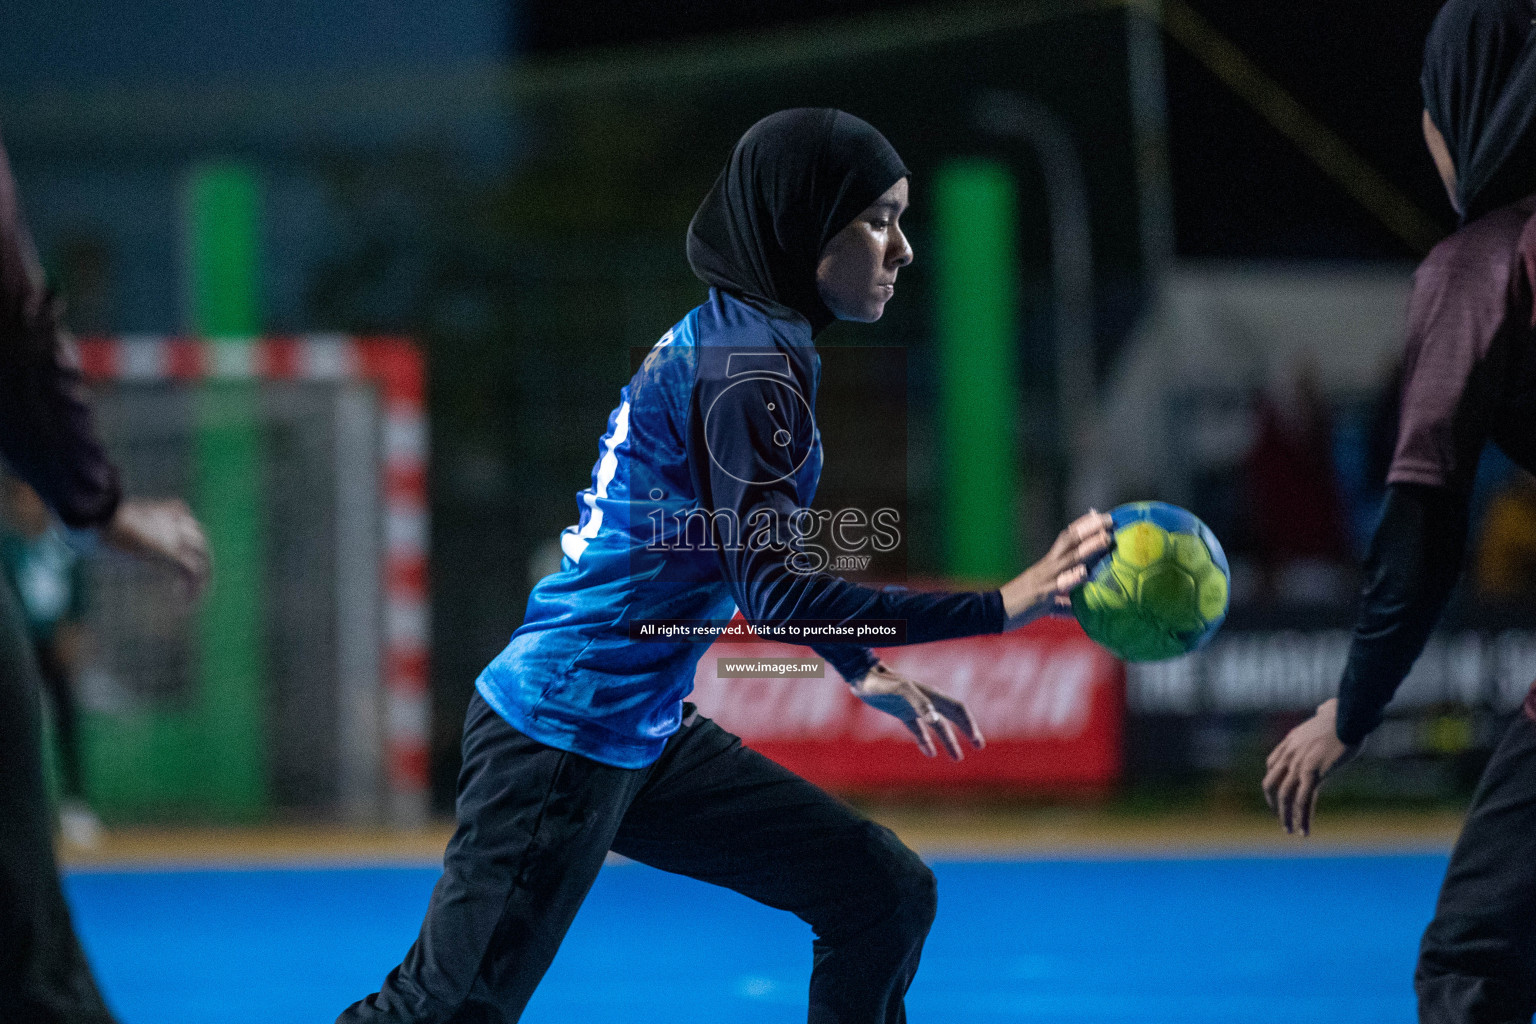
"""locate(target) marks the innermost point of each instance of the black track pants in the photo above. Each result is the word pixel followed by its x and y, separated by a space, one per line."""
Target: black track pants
pixel 1477 963
pixel 535 824
pixel 44 978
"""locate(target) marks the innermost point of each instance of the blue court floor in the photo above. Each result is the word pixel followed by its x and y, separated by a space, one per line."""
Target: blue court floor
pixel 1182 941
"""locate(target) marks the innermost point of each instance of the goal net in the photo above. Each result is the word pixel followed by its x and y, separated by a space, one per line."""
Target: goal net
pixel 297 686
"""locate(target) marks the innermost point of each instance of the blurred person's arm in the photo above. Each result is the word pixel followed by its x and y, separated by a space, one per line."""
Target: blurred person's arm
pixel 47 432
pixel 1410 570
pixel 1467 317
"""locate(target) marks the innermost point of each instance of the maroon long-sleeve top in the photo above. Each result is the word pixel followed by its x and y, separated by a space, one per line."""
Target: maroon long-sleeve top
pixel 47 433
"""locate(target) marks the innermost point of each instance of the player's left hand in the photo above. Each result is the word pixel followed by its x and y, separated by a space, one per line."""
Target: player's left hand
pixel 922 709
pixel 1300 762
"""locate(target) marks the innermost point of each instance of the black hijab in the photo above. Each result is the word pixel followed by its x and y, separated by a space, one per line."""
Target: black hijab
pixel 1479 85
pixel 794 180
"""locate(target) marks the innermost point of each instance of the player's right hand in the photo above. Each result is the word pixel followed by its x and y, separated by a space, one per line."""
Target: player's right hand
pixel 163 530
pixel 1300 762
pixel 1045 588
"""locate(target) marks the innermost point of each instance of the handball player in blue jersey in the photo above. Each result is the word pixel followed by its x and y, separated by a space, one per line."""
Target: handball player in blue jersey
pixel 578 740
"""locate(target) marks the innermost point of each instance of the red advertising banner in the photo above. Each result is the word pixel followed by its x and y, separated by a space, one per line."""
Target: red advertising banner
pixel 1049 701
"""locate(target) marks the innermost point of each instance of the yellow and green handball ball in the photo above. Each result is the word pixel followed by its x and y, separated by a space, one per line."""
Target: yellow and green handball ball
pixel 1161 589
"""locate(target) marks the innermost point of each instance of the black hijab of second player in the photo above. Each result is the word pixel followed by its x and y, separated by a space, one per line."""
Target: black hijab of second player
pixel 795 180
pixel 1479 84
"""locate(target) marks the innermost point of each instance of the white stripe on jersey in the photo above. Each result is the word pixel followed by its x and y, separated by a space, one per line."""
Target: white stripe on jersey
pixel 573 541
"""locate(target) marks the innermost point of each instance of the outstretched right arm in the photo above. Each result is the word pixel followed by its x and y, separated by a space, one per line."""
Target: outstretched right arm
pixel 739 467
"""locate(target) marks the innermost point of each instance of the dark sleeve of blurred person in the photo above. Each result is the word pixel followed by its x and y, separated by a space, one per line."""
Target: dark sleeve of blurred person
pixel 47 433
pixel 1469 377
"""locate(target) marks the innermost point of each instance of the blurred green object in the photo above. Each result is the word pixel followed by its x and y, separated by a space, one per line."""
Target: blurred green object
pixel 223 212
pixel 977 327
pixel 1161 591
pixel 223 215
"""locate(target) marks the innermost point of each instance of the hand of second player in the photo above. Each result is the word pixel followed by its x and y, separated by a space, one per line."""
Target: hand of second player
pixel 1299 763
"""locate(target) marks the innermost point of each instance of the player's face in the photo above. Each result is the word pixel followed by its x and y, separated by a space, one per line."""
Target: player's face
pixel 857 272
pixel 1441 154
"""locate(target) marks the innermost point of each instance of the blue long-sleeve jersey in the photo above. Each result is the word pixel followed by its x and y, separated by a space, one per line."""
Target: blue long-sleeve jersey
pixel 706 462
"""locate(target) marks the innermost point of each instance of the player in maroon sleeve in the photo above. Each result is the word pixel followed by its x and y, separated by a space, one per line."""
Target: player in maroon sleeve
pixel 48 438
pixel 1469 378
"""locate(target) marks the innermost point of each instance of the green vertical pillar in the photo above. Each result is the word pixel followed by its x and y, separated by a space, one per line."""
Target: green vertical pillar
pixel 222 263
pixel 977 273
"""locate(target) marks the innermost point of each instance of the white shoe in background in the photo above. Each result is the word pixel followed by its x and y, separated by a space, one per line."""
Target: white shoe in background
pixel 79 824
